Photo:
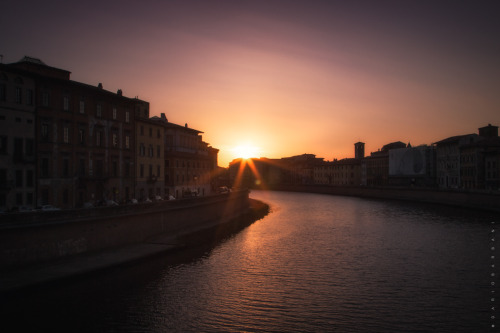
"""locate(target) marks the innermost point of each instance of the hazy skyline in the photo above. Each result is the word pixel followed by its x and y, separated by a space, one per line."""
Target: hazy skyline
pixel 287 77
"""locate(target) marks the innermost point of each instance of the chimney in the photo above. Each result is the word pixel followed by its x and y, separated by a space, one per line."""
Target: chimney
pixel 119 92
pixel 186 125
pixel 164 118
pixel 99 85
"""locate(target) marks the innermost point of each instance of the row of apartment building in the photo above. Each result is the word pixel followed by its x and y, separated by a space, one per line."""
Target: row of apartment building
pixel 468 162
pixel 67 143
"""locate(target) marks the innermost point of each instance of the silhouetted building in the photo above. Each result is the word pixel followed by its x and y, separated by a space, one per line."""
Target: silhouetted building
pixel 448 160
pixel 375 168
pixel 479 161
pixel 190 163
pixel 344 172
pixel 17 140
pixel 299 170
pixel 84 138
pixel 412 166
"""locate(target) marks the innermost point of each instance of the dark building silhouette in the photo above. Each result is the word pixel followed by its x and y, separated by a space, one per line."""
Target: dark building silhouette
pixel 70 143
pixel 413 166
pixel 85 141
pixel 190 163
pixel 480 161
pixel 375 168
pixel 17 140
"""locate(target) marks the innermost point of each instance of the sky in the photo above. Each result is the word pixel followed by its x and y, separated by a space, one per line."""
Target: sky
pixel 281 78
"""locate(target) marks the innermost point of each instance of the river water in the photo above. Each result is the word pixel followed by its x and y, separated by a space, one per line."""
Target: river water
pixel 316 263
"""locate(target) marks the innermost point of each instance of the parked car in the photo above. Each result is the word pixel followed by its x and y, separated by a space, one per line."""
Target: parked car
pixel 171 197
pixel 88 205
pixel 158 198
pixel 111 203
pixel 223 189
pixel 189 193
pixel 49 208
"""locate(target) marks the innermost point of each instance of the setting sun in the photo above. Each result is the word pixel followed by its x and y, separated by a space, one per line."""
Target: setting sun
pixel 245 151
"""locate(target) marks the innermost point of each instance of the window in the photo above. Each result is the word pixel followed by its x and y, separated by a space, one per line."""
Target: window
pixel 45 132
pixel 127 142
pixel 29 199
pixel 66 134
pixel 18 146
pixel 81 136
pixel 81 167
pixel 19 178
pixel 115 140
pixel 142 170
pixel 65 196
pixel 66 103
pixel 158 133
pixel 158 170
pixel 29 147
pixel 114 112
pixel 142 130
pixel 150 170
pixel 44 170
pixel 45 99
pixel 115 168
pixel 98 111
pixel 142 150
pixel 82 106
pixel 150 132
pixel 158 151
pixel 29 97
pixel 2 92
pixel 127 116
pixel 65 167
pixel 3 144
pixel 127 168
pixel 98 138
pixel 19 199
pixel 3 177
pixel 151 152
pixel 19 96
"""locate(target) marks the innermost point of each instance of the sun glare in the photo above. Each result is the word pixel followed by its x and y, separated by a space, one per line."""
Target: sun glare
pixel 245 151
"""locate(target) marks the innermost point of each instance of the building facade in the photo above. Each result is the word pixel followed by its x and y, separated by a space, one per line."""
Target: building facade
pixel 375 168
pixel 190 164
pixel 448 161
pixel 412 166
pixel 344 172
pixel 84 139
pixel 479 161
pixel 17 140
pixel 150 148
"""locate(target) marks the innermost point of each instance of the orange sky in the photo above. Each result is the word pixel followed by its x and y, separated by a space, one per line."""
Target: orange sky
pixel 288 77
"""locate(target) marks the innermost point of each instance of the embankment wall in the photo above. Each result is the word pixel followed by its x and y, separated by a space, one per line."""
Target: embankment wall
pixel 475 200
pixel 31 238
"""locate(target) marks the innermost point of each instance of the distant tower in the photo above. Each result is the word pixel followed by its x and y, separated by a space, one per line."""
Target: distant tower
pixel 359 150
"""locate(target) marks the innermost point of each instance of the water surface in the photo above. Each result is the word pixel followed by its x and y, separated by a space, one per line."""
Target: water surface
pixel 317 263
